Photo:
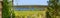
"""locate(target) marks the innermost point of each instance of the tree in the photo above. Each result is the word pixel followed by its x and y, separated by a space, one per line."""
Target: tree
pixel 6 10
pixel 52 9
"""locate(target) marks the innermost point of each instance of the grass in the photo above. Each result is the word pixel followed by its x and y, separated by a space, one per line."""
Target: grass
pixel 17 13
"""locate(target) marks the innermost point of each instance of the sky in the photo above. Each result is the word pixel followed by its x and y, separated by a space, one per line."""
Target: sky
pixel 30 2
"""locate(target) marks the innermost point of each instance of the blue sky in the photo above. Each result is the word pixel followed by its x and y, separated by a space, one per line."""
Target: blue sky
pixel 30 2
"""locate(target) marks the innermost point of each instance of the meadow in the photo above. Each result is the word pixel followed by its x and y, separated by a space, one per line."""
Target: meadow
pixel 25 14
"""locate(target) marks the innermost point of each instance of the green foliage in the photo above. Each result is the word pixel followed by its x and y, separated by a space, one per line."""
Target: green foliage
pixel 53 10
pixel 13 15
pixel 6 9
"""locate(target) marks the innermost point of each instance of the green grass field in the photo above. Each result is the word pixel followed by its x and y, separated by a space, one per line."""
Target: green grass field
pixel 17 13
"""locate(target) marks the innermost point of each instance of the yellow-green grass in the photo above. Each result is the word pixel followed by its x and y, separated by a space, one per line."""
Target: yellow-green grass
pixel 25 13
